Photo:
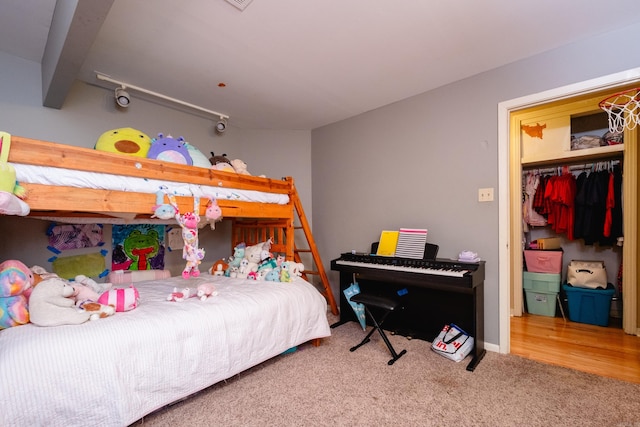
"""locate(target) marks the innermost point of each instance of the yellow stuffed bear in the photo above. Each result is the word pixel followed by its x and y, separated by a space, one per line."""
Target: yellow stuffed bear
pixel 124 141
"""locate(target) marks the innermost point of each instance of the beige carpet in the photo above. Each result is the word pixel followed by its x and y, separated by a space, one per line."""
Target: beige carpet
pixel 330 386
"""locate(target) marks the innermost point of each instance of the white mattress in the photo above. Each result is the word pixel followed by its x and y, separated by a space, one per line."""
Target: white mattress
pixel 81 179
pixel 113 371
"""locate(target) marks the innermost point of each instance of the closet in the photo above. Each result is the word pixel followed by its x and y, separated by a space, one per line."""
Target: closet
pixel 569 139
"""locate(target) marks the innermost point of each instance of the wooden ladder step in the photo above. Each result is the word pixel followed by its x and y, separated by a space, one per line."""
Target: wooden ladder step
pixel 304 226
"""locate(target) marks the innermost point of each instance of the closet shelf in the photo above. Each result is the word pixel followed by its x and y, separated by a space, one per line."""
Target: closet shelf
pixel 584 155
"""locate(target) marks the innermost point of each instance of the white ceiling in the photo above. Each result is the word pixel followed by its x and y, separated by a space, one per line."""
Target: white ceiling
pixel 292 64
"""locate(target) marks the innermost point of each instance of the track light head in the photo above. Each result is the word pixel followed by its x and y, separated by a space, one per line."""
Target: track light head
pixel 221 125
pixel 122 97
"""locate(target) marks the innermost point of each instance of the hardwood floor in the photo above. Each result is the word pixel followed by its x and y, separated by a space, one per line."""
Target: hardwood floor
pixel 605 351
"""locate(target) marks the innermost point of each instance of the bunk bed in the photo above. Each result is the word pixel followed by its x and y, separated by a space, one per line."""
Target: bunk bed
pixel 116 370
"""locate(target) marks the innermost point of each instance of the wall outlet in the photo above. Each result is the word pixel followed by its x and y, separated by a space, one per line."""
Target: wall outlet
pixel 485 195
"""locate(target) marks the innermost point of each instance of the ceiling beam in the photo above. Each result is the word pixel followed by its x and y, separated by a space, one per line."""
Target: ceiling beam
pixel 74 27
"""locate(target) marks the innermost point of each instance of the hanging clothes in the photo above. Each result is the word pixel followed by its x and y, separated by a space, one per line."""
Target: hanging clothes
pixel 560 192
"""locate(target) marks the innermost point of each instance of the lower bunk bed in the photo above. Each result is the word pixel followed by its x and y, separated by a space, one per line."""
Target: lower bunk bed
pixel 116 370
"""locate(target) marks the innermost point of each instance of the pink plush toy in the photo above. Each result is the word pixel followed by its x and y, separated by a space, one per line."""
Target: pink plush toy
pixel 16 281
pixel 213 213
pixel 179 296
pixel 206 290
pixel 122 299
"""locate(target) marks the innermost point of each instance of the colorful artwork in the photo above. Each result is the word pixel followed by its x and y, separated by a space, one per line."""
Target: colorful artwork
pixel 138 247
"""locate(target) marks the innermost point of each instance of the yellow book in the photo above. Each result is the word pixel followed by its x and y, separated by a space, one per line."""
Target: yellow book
pixel 388 243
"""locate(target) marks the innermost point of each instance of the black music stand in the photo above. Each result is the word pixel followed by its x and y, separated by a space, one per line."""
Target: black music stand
pixel 387 306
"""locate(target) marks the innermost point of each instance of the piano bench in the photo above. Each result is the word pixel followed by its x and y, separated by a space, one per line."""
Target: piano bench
pixel 387 306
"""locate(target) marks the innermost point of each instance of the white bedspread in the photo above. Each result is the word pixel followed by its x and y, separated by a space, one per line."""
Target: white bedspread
pixel 113 371
pixel 81 179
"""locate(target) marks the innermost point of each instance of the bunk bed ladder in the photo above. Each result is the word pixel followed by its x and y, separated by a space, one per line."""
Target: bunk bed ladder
pixel 313 250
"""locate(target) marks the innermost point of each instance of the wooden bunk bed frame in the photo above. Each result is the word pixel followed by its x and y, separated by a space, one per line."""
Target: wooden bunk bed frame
pixel 252 221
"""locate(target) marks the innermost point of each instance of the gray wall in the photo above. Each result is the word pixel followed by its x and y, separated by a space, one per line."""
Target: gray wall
pixel 420 162
pixel 89 111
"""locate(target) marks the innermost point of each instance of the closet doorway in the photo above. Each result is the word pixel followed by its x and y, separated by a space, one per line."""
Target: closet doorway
pixel 572 100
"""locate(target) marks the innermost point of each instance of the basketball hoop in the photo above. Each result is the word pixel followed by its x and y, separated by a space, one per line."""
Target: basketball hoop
pixel 623 109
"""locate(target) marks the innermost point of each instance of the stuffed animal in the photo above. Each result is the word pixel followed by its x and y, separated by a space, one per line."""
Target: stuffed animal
pixel 205 291
pixel 240 167
pixel 161 209
pixel 199 159
pixel 97 311
pixel 170 149
pixel 50 304
pixel 11 193
pixel 284 272
pixel 236 259
pixel 122 299
pixel 82 294
pixel 127 141
pixel 213 213
pixel 273 275
pixel 99 288
pixel 16 281
pixel 179 296
pixel 218 268
pixel 194 257
pixel 215 160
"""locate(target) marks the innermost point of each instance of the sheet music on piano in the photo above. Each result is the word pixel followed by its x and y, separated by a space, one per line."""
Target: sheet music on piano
pixel 411 243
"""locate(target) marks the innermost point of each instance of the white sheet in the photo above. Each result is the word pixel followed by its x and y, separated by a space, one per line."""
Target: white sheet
pixel 113 371
pixel 80 179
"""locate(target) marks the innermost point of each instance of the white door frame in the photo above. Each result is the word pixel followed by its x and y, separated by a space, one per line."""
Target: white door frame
pixel 504 202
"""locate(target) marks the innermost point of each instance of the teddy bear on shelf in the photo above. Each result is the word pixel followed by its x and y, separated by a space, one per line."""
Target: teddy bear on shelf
pixel 50 304
pixel 16 282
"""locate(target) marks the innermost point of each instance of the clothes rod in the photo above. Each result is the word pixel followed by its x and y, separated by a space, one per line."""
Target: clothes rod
pixel 574 167
pixel 106 78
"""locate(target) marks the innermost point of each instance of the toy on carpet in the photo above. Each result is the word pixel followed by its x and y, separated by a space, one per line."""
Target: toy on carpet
pixel 205 291
pixel 50 305
pixel 170 149
pixel 122 299
pixel 11 193
pixel 127 141
pixel 213 213
pixel 16 282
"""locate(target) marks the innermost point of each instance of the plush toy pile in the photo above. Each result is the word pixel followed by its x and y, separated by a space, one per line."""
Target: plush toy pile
pixel 133 142
pixel 43 298
pixel 256 262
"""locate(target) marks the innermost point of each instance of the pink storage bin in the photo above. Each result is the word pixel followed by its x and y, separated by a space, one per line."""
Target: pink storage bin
pixel 539 261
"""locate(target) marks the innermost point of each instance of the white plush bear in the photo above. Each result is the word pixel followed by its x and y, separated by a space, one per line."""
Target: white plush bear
pixel 50 304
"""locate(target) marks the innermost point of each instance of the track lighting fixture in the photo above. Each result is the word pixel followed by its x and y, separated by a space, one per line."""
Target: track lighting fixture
pixel 122 97
pixel 221 125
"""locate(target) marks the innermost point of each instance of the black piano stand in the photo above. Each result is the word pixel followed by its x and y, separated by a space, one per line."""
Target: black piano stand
pixel 388 306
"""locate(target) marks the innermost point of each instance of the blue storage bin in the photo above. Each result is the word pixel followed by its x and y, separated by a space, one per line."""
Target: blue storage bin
pixel 589 305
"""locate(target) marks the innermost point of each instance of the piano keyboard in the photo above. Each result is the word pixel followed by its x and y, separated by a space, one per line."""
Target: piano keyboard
pixel 443 271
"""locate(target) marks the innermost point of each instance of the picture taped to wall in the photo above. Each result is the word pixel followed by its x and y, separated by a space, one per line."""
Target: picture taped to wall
pixel 74 236
pixel 138 247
